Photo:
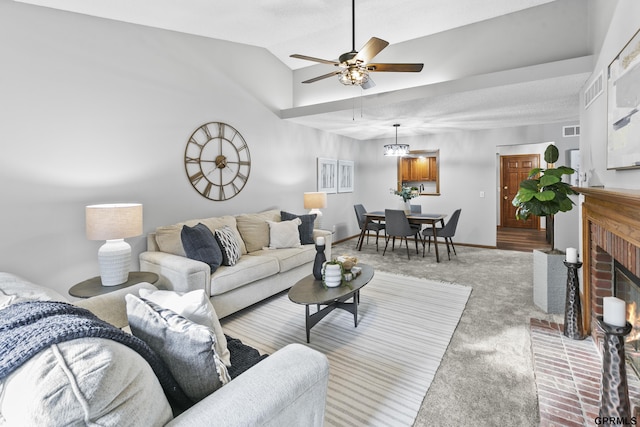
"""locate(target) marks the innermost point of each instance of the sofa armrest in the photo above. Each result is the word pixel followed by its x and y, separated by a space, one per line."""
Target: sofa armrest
pixel 287 388
pixel 328 240
pixel 112 307
pixel 177 273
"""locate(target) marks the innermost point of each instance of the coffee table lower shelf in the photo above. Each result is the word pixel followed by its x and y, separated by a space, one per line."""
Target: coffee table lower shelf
pixel 309 291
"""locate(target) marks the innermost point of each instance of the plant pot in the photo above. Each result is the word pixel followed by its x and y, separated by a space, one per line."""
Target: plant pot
pixel 549 281
pixel 332 275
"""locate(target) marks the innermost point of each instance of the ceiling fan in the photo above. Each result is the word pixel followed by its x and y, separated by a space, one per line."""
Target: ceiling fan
pixel 355 66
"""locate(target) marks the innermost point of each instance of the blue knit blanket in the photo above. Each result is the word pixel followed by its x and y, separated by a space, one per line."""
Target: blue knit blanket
pixel 29 327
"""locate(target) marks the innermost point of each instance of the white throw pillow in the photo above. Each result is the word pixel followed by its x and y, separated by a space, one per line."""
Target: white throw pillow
pixel 196 307
pixel 284 234
pixel 84 381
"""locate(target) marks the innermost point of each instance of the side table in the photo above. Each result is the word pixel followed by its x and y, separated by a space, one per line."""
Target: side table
pixel 92 287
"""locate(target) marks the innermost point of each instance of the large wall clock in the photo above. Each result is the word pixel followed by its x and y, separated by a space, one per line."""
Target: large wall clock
pixel 217 161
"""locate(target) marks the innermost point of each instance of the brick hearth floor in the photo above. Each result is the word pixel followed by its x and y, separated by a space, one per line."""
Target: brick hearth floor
pixel 568 374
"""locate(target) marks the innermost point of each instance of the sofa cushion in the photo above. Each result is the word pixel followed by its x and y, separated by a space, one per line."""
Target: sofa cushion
pixel 187 348
pixel 200 244
pixel 169 240
pixel 289 258
pixel 229 245
pixel 254 229
pixel 248 269
pixel 305 228
pixel 284 234
pixel 196 307
pixel 14 289
pixel 84 379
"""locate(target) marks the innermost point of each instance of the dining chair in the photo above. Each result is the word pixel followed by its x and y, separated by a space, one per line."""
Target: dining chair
pixel 372 226
pixel 398 226
pixel 416 209
pixel 447 233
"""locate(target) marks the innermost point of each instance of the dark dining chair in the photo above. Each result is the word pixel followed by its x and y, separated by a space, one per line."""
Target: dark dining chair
pixel 447 233
pixel 416 208
pixel 372 226
pixel 398 226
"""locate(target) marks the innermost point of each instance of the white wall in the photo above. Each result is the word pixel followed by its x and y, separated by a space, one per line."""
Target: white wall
pixel 96 111
pixel 593 120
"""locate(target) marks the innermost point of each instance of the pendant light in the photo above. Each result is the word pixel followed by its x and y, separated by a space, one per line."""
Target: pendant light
pixel 396 149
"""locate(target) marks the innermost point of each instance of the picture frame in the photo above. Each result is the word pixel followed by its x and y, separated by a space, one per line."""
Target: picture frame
pixel 623 107
pixel 327 175
pixel 345 176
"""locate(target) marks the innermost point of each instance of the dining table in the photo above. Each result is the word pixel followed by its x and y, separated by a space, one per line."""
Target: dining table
pixel 414 218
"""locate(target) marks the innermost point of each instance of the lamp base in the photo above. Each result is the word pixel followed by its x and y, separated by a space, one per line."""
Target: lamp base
pixel 114 259
pixel 318 222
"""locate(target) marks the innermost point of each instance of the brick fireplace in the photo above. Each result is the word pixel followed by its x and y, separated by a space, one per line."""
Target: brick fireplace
pixel 610 232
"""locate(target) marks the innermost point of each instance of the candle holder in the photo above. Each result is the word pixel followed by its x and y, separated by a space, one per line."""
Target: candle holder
pixel 572 305
pixel 319 260
pixel 614 399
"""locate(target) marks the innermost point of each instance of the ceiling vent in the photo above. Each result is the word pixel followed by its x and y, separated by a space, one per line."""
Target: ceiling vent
pixel 568 131
pixel 593 91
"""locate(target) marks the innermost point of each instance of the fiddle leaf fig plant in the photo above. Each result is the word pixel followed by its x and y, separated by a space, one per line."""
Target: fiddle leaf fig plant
pixel 544 193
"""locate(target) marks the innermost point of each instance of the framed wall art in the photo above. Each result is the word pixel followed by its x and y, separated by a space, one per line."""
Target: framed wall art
pixel 345 176
pixel 327 175
pixel 623 103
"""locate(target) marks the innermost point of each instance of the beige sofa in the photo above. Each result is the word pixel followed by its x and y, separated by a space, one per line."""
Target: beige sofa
pixel 259 273
pixel 99 381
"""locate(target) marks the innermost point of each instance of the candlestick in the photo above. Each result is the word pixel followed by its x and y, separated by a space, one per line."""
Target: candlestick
pixel 614 399
pixel 614 311
pixel 320 241
pixel 572 255
pixel 573 307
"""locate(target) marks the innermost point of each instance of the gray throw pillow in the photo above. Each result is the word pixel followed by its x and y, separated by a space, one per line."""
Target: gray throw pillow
pixel 200 244
pixel 229 245
pixel 305 229
pixel 187 348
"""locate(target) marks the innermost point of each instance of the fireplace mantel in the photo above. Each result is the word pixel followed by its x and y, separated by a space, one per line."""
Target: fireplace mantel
pixel 610 224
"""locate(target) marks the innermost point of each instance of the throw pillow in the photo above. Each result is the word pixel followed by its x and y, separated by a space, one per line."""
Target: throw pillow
pixel 254 229
pixel 305 228
pixel 187 348
pixel 284 234
pixel 196 307
pixel 200 244
pixel 229 245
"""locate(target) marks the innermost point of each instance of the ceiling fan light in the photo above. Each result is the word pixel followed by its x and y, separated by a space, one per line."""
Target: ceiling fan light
pixel 396 150
pixel 354 76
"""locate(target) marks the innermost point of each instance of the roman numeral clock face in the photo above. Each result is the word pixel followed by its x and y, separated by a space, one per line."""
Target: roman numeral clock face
pixel 217 161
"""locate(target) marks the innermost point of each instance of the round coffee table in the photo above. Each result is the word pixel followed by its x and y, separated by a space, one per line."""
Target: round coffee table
pixel 309 291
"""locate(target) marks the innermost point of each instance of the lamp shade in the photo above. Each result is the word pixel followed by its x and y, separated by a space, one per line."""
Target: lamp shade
pixel 113 221
pixel 315 200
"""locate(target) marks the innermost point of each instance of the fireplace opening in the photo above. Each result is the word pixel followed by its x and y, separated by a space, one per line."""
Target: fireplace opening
pixel 627 287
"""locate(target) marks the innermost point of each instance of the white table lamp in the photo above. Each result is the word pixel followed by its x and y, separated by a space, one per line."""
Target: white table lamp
pixel 114 223
pixel 315 201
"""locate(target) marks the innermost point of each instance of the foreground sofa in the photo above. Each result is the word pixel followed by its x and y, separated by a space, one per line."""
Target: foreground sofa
pixel 97 381
pixel 259 273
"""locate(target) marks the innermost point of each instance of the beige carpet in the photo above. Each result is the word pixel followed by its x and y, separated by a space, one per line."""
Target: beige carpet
pixel 381 370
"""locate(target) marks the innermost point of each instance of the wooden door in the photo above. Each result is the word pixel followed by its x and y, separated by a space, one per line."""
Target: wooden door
pixel 513 170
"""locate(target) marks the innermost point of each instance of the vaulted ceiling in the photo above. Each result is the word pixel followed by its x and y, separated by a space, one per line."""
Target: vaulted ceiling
pixel 488 64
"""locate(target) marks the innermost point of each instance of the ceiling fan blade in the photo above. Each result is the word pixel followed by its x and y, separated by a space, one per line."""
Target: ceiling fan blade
pixel 311 58
pixel 373 47
pixel 398 68
pixel 315 79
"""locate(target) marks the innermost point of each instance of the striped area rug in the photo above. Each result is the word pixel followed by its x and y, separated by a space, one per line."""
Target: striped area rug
pixel 381 370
